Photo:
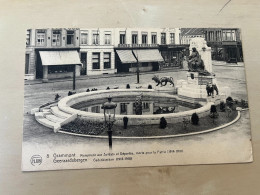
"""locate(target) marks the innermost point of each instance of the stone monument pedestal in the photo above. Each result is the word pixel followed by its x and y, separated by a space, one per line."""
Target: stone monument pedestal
pixel 195 88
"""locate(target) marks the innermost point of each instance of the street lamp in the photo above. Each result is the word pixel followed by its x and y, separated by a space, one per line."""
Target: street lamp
pixel 109 115
pixel 137 69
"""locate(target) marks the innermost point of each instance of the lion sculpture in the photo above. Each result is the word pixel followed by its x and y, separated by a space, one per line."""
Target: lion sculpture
pixel 163 81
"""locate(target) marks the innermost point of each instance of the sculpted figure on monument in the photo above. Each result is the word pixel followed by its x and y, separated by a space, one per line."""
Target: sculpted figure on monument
pixel 196 64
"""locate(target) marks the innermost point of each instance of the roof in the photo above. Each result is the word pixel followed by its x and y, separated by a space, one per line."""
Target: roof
pixel 192 31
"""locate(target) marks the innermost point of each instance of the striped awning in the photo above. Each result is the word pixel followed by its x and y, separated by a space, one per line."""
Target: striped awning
pixel 148 55
pixel 126 56
pixel 54 58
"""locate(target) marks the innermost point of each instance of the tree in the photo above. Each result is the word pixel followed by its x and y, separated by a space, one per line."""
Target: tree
pixel 195 119
pixel 213 113
pixel 222 106
pixel 125 120
pixel 229 102
pixel 163 123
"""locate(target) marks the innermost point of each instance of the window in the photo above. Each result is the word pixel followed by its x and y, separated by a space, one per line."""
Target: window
pixel 27 61
pixel 134 38
pixel 163 38
pixel 60 69
pixel 84 38
pixel 154 38
pixel 56 38
pixel 95 109
pixel 123 108
pixel 96 61
pixel 145 64
pixel 211 36
pixel 95 38
pixel 107 38
pixel 122 37
pixel 28 37
pixel 144 38
pixel 229 35
pixel 40 37
pixel 172 38
pixel 107 60
pixel 146 105
pixel 70 37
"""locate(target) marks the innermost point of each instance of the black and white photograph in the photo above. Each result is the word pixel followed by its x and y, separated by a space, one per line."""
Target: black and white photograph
pixel 133 97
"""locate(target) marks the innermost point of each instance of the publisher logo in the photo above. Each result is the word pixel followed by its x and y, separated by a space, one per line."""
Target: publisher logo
pixel 36 160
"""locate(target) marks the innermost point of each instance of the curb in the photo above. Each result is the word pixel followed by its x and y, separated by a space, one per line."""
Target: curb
pixel 158 137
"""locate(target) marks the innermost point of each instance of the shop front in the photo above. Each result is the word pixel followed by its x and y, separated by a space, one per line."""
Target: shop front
pixel 58 64
pixel 173 55
pixel 143 60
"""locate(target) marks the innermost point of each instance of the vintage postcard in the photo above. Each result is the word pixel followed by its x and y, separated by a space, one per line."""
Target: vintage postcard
pixel 129 97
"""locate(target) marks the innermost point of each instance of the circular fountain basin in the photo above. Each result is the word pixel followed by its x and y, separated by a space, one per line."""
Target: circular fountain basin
pixel 87 106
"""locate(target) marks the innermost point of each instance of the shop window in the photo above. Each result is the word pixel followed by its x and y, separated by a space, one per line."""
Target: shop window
pixel 96 61
pixel 134 38
pixel 70 37
pixel 40 37
pixel 28 37
pixel 84 38
pixel 144 38
pixel 60 69
pixel 107 60
pixel 95 38
pixel 107 38
pixel 122 37
pixel 172 38
pixel 163 38
pixel 154 38
pixel 56 38
pixel 145 64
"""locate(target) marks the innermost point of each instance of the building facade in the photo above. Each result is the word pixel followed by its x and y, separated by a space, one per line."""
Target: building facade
pixel 97 51
pixel 225 44
pixel 52 53
pixel 142 49
pixel 188 33
pixel 58 52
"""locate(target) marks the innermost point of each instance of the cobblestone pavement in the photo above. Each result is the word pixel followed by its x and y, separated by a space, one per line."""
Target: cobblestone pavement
pixel 39 94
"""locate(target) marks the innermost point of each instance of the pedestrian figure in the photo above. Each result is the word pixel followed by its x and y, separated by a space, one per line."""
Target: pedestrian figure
pixel 57 96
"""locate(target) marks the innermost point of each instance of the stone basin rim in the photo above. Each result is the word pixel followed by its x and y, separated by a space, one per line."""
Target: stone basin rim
pixel 65 103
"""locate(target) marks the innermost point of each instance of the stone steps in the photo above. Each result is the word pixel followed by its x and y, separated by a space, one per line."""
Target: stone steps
pixel 54 118
pixel 42 120
pixel 57 112
pixel 51 117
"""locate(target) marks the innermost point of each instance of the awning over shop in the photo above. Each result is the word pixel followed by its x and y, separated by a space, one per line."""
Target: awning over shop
pixel 126 56
pixel 148 55
pixel 53 58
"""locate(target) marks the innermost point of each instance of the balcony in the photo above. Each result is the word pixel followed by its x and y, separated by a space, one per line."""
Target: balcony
pixel 138 45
